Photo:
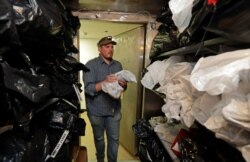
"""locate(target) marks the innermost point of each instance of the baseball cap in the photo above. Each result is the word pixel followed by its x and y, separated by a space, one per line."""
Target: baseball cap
pixel 106 40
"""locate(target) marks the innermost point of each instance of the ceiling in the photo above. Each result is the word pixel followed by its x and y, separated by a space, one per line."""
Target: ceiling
pixel 129 6
pixel 97 29
pixel 92 29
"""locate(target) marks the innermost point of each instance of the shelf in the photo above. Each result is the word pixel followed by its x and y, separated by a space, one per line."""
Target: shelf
pixel 195 47
pixel 161 95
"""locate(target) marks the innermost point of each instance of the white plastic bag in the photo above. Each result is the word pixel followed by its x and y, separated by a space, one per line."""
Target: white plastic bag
pixel 156 71
pixel 182 13
pixel 221 73
pixel 238 111
pixel 177 87
pixel 126 76
pixel 245 150
pixel 171 110
pixel 114 89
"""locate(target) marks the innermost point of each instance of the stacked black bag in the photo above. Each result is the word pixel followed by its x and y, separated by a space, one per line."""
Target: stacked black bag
pixel 150 147
pixel 210 19
pixel 39 89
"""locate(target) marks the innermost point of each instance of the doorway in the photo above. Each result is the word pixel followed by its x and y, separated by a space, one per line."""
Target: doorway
pixel 130 51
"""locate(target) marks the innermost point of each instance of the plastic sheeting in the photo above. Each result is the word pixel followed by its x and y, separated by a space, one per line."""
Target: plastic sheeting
pixel 156 71
pixel 221 73
pixel 208 110
pixel 179 93
pixel 182 13
pixel 113 88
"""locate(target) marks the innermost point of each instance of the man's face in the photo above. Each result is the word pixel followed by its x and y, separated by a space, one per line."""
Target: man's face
pixel 107 51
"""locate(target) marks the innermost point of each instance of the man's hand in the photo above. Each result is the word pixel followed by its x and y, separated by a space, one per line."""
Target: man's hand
pixel 111 78
pixel 123 84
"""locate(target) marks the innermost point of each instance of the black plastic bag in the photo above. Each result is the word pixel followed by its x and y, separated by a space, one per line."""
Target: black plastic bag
pixel 189 150
pixel 59 120
pixel 165 40
pixel 33 87
pixel 232 21
pixel 143 152
pixel 201 16
pixel 16 148
pixel 44 26
pixel 150 148
pixel 165 15
pixel 68 64
pixel 8 30
pixel 37 14
pixel 142 129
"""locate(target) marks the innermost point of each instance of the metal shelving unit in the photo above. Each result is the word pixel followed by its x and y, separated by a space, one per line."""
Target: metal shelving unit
pixel 193 48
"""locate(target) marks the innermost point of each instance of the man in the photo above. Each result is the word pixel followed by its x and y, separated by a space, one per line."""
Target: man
pixel 103 110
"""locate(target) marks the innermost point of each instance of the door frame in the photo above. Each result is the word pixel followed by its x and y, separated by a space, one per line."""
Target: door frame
pixel 143 17
pixel 139 18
